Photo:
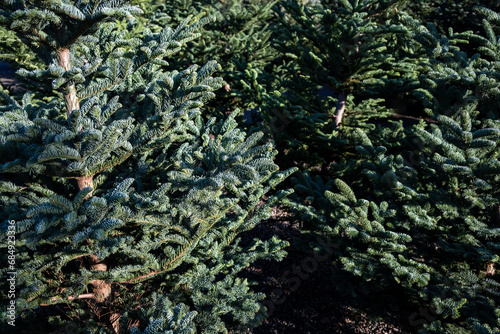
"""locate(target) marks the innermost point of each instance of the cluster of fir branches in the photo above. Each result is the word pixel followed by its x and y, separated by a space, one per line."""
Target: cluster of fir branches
pixel 415 208
pixel 119 187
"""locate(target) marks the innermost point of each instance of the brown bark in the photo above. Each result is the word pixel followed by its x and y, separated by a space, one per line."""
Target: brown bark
pixel 82 296
pixel 84 182
pixel 102 289
pixel 72 102
pixel 114 319
pixel 490 270
pixel 339 111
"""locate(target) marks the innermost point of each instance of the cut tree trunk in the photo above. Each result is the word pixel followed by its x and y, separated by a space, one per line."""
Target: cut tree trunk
pixel 102 289
pixel 84 182
pixel 339 111
pixel 72 102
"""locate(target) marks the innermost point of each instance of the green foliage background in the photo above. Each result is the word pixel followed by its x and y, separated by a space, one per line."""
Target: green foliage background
pixel 406 183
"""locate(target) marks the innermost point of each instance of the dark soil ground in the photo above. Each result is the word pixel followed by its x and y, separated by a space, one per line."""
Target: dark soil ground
pixel 7 75
pixel 301 296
